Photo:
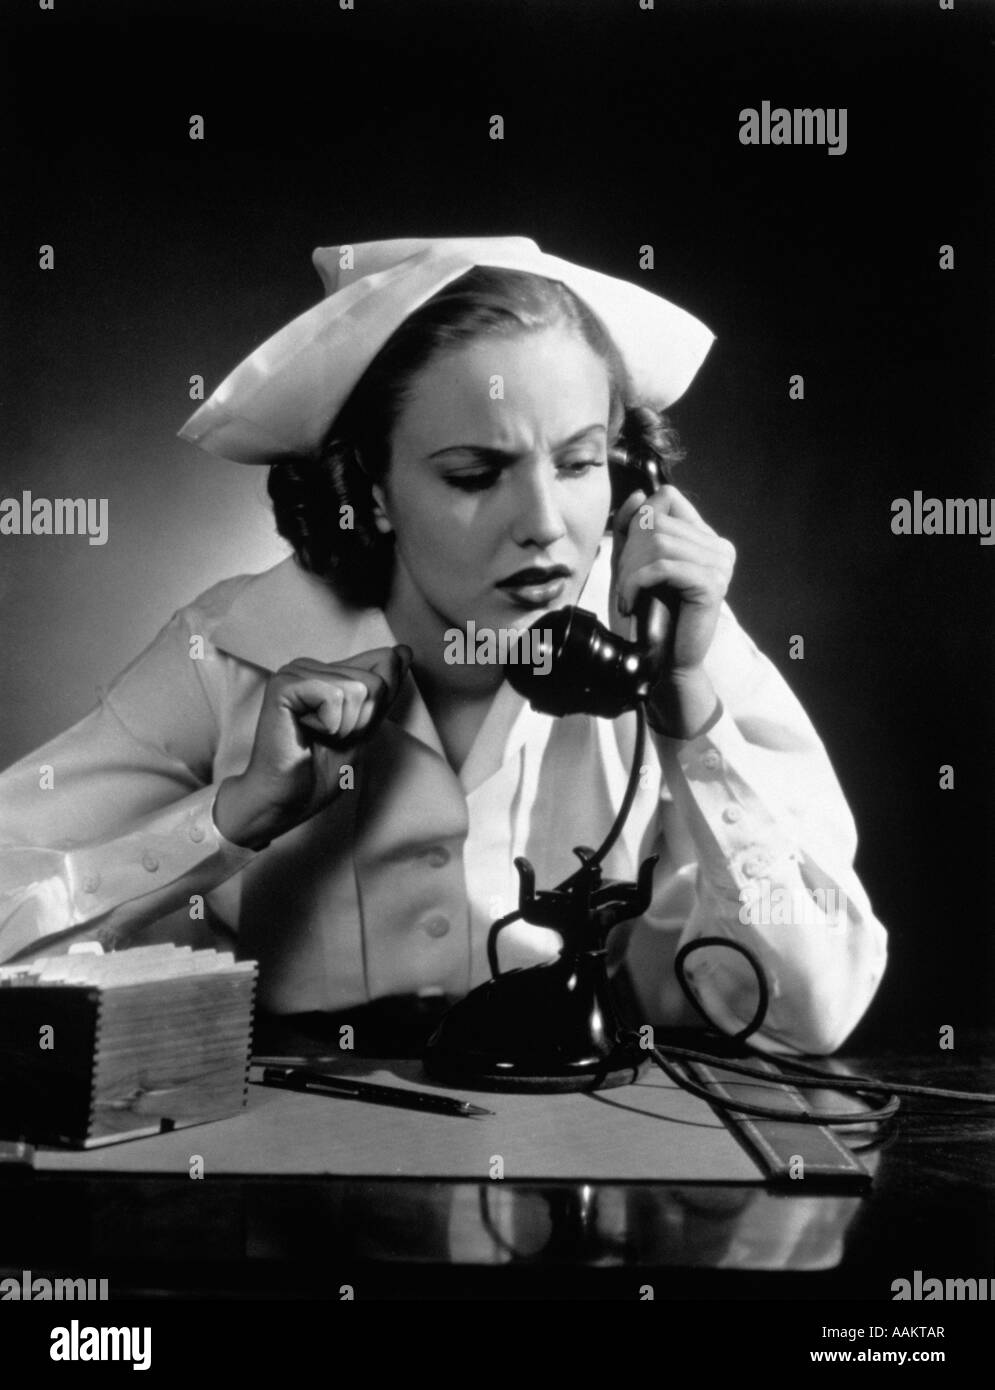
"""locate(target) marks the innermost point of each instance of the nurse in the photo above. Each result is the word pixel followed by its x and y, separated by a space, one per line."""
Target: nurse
pixel 443 433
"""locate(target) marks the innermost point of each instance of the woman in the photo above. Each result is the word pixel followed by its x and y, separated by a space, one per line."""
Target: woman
pixel 298 755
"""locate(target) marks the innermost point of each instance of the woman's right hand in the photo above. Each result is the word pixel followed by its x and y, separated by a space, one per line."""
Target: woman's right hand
pixel 313 714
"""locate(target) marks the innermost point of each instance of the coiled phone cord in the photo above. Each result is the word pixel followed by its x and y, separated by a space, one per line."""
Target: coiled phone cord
pixel 790 1068
pixel 801 1073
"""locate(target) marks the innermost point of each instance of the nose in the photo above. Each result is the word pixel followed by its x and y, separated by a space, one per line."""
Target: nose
pixel 538 519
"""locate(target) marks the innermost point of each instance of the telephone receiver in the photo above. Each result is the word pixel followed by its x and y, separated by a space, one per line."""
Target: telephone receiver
pixel 590 669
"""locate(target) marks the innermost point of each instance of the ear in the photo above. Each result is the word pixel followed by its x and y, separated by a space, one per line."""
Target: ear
pixel 380 518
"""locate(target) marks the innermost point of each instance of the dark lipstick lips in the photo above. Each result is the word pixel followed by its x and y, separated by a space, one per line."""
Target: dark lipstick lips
pixel 535 576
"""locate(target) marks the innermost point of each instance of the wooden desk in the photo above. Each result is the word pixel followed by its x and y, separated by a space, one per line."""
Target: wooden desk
pixel 930 1208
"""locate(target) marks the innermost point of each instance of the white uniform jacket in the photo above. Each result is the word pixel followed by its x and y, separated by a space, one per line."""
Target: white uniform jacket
pixel 392 889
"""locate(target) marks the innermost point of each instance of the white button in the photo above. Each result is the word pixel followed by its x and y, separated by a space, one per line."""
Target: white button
pixel 197 833
pixel 91 883
pixel 756 866
pixel 732 814
pixel 149 861
pixel 437 856
pixel 436 926
pixel 711 760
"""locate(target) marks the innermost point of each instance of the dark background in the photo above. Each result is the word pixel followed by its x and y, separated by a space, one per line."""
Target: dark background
pixel 176 257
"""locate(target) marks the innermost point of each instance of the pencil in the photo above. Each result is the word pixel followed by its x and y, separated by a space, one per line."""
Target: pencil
pixel 327 1084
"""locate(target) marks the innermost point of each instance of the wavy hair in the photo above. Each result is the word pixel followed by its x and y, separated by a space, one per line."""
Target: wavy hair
pixel 309 494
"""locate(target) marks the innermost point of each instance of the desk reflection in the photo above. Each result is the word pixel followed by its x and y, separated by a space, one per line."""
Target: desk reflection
pixel 706 1227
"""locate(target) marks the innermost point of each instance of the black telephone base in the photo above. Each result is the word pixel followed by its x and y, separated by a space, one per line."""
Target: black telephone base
pixel 549 1027
pixel 484 1074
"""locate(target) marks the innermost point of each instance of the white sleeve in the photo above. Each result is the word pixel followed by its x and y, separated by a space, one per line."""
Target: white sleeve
pixel 109 825
pixel 774 845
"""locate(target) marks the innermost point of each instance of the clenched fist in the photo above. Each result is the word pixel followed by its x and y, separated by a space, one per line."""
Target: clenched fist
pixel 313 714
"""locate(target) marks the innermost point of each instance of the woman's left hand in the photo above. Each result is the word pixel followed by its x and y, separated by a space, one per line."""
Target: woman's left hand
pixel 663 545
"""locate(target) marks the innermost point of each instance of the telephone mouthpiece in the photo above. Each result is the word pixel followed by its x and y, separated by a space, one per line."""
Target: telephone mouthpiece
pixel 582 667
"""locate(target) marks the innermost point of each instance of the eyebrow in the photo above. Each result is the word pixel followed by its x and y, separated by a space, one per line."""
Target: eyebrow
pixel 490 452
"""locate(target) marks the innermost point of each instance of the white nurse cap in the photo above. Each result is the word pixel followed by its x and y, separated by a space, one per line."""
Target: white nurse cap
pixel 283 398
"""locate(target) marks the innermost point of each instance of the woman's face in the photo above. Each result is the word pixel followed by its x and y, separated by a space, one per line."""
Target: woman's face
pixel 498 490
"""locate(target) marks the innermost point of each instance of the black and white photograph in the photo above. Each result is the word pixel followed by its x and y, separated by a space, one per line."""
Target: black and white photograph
pixel 497 542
